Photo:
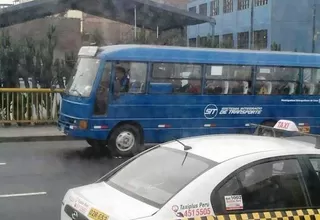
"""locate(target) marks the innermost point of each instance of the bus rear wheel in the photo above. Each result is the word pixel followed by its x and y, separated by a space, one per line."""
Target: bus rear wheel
pixel 125 141
pixel 266 132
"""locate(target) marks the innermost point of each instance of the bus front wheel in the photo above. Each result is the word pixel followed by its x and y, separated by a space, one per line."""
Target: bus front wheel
pixel 125 140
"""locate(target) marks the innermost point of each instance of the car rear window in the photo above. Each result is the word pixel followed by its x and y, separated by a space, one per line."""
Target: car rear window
pixel 159 174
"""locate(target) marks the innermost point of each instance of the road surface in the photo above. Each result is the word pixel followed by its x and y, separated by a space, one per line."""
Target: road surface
pixel 34 176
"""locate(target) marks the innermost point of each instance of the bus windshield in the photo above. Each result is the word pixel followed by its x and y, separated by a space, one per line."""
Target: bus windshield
pixel 83 78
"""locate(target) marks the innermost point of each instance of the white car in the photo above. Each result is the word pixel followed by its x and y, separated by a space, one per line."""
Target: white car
pixel 225 177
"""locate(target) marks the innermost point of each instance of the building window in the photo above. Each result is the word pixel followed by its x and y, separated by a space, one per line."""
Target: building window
pixel 227 6
pixel 214 8
pixel 260 39
pixel 243 4
pixel 203 10
pixel 216 41
pixel 203 41
pixel 192 42
pixel 243 40
pixel 227 41
pixel 260 2
pixel 193 9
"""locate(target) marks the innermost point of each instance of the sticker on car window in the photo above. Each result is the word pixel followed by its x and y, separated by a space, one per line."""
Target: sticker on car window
pixel 192 210
pixel 233 202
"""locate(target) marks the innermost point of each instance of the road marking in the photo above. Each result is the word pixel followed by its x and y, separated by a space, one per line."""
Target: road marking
pixel 22 194
pixel 2 164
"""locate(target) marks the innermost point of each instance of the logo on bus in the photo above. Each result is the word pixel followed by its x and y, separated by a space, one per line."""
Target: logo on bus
pixel 210 111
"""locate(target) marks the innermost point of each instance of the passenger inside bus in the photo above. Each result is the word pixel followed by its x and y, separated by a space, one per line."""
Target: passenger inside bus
pixel 193 86
pixel 122 78
pixel 215 87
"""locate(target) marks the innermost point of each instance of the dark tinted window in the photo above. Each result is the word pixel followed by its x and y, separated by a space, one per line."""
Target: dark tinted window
pixel 313 182
pixel 158 175
pixel 203 10
pixel 271 185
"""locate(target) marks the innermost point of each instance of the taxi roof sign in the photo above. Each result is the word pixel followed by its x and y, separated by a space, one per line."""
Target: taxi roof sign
pixel 90 51
pixel 285 126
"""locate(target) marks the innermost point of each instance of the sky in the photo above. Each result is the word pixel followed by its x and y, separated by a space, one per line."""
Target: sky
pixel 6 1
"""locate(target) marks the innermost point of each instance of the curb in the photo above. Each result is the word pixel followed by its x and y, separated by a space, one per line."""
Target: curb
pixel 36 139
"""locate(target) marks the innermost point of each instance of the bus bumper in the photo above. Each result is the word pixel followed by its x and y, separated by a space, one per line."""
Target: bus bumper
pixel 90 132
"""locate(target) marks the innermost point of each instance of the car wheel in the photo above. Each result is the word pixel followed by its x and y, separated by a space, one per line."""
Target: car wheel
pixel 125 141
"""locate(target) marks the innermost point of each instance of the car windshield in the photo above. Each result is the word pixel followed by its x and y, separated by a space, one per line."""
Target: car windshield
pixel 158 175
pixel 84 75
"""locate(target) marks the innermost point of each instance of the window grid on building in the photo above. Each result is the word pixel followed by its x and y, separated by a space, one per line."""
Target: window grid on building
pixel 260 39
pixel 243 40
pixel 260 2
pixel 227 41
pixel 214 8
pixel 193 9
pixel 203 10
pixel 216 41
pixel 227 6
pixel 243 4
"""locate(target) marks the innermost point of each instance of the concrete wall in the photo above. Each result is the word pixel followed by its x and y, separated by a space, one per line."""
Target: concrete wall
pixel 67 30
pixel 115 32
pixel 292 24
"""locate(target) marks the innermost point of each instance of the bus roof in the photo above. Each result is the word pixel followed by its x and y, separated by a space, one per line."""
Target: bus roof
pixel 154 53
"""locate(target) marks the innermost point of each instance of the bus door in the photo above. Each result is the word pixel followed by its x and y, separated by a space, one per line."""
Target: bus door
pixel 102 93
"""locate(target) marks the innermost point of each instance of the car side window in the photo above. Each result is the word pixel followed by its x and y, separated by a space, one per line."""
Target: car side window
pixel 314 183
pixel 316 165
pixel 268 185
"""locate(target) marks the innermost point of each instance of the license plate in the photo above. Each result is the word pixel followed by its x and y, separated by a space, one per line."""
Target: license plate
pixel 97 215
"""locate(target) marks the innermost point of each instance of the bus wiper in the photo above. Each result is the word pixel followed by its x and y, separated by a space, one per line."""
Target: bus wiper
pixel 185 148
pixel 75 90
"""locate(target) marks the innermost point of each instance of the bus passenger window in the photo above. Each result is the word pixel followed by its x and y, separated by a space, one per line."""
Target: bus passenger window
pixel 131 77
pixel 184 78
pixel 228 79
pixel 311 81
pixel 101 102
pixel 193 86
pixel 277 81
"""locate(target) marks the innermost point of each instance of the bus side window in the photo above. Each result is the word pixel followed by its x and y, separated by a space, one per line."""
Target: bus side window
pixel 183 78
pixel 277 81
pixel 131 77
pixel 311 81
pixel 228 79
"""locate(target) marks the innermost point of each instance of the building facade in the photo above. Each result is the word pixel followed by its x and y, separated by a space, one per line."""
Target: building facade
pixel 257 24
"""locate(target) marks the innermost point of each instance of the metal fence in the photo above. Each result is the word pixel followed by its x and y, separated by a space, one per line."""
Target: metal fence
pixel 18 106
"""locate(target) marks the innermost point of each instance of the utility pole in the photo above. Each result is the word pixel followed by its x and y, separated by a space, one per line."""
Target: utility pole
pixel 314 34
pixel 135 22
pixel 251 45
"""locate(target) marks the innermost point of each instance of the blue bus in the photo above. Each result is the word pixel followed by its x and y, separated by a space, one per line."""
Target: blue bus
pixel 123 96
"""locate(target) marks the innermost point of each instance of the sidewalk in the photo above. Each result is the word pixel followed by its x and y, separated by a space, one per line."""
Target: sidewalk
pixel 29 134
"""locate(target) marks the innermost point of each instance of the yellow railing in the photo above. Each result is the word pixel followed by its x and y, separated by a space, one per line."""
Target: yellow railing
pixel 29 105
